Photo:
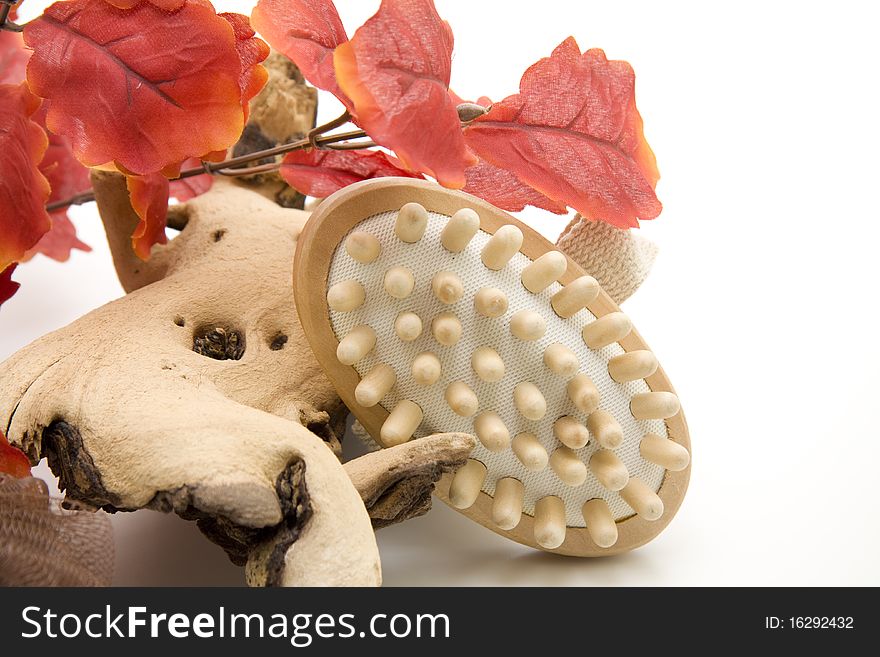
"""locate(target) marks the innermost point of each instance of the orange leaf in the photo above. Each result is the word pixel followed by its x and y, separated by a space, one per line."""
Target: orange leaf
pixel 251 51
pixel 149 198
pixel 396 71
pixel 504 190
pixel 66 177
pixel 320 173
pixel 8 287
pixel 142 88
pixel 12 460
pixel 23 189
pixel 306 31
pixel 574 134
pixel 64 172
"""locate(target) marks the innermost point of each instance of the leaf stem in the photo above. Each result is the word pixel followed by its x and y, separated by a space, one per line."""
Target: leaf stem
pixel 76 199
pixel 234 166
pixel 317 138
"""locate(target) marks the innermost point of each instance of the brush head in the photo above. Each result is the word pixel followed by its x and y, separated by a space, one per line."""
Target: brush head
pixel 582 447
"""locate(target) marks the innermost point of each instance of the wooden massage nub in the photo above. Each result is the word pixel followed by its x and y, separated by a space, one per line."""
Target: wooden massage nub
pixel 432 310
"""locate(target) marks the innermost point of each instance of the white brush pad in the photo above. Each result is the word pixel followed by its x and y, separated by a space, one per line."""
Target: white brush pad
pixel 523 360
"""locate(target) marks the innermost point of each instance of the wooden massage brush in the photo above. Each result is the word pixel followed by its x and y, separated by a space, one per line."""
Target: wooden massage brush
pixel 433 311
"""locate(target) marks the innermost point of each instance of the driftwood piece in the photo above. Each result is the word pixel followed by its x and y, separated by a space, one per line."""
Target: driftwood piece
pixel 284 111
pixel 134 411
pixel 396 483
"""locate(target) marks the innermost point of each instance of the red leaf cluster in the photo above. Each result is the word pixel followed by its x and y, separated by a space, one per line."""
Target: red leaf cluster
pixel 320 173
pixel 148 85
pixel 159 103
pixel 120 85
pixel 12 460
pixel 393 75
pixel 145 86
pixel 572 136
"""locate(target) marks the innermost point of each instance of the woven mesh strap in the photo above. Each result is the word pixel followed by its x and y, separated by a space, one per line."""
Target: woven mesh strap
pixel 619 259
pixel 42 544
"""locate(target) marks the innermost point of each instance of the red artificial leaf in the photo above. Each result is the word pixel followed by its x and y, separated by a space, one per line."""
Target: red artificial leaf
pixel 64 172
pixel 12 460
pixel 574 134
pixel 167 5
pixel 141 88
pixel 396 72
pixel 13 57
pixel 320 173
pixel 149 198
pixel 8 287
pixel 499 186
pixel 306 31
pixel 187 188
pixel 23 189
pixel 251 51
pixel 59 241
pixel 504 190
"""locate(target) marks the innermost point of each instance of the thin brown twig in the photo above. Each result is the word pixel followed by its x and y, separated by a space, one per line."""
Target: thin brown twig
pixel 233 166
pixel 249 171
pixel 353 145
pixel 317 131
pixel 76 199
pixel 342 141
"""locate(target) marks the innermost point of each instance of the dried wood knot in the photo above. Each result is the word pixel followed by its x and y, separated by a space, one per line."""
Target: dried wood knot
pixel 219 343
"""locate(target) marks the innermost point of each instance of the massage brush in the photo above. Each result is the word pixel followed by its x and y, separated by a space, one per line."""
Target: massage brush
pixel 433 311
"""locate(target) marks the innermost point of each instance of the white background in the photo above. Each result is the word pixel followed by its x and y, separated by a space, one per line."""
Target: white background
pixel 762 305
